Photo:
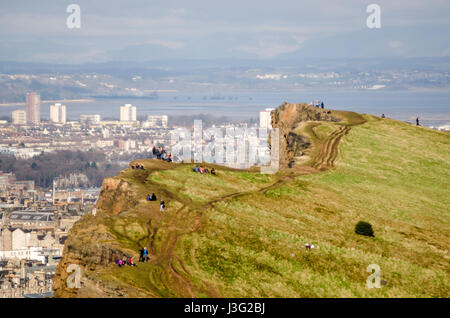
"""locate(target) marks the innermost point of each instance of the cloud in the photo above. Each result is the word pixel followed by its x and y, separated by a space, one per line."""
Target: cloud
pixel 395 44
pixel 178 12
pixel 269 49
pixel 174 45
pixel 72 57
pixel 200 28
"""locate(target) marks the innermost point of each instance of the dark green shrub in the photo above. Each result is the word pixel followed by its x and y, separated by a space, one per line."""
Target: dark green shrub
pixel 364 228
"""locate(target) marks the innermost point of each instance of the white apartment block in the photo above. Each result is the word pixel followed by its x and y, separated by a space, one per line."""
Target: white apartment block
pixel 128 113
pixel 29 253
pixel 58 113
pixel 265 119
pixel 159 121
pixel 90 118
pixel 19 117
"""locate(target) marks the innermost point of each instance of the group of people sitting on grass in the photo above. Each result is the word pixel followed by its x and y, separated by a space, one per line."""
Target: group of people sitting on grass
pixel 317 104
pixel 309 246
pixel 162 204
pixel 161 154
pixel 143 257
pixel 203 170
pixel 125 261
pixel 137 166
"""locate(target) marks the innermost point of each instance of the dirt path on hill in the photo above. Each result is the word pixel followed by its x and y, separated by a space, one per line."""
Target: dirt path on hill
pixel 322 161
pixel 166 257
pixel 328 152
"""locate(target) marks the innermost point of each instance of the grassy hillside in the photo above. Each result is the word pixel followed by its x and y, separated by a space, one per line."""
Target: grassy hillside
pixel 242 234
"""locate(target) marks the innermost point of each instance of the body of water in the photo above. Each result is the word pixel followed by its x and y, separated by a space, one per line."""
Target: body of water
pixel 433 108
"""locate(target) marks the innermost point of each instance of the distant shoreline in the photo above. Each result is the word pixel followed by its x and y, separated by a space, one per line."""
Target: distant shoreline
pixel 86 100
pixel 306 91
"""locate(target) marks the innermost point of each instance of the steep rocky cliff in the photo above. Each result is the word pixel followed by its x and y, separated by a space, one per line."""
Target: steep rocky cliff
pixel 289 118
pixel 92 243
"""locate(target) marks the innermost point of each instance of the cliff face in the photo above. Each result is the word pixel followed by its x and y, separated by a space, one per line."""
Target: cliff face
pixel 289 118
pixel 90 247
pixel 92 243
pixel 116 196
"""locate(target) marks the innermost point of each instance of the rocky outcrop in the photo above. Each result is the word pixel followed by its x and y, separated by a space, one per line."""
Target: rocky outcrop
pixel 92 244
pixel 88 247
pixel 288 118
pixel 115 196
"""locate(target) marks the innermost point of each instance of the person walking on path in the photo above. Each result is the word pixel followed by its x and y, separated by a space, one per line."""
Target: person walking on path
pixel 162 206
pixel 145 254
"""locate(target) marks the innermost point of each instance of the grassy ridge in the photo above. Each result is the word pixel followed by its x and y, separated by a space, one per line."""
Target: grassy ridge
pixel 242 234
pixel 391 174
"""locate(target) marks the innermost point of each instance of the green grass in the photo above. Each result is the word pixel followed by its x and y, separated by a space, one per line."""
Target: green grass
pixel 242 234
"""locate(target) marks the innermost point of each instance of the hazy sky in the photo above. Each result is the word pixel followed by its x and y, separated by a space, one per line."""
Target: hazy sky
pixel 139 30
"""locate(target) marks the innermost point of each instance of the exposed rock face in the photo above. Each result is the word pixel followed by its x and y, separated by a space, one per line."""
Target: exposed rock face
pixel 115 196
pixel 91 244
pixel 287 118
pixel 91 247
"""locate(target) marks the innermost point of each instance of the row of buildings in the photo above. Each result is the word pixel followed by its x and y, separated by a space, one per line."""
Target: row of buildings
pixel 22 278
pixel 58 115
pixel 8 182
pixel 34 224
pixel 32 114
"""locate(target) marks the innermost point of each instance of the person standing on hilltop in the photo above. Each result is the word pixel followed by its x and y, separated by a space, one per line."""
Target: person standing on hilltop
pixel 145 254
pixel 141 254
pixel 417 121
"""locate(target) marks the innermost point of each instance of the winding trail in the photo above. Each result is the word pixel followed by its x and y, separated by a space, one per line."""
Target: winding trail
pixel 324 159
